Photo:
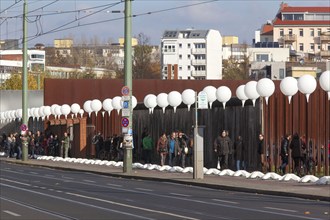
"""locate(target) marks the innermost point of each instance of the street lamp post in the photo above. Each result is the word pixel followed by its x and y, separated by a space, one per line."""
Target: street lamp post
pixel 128 135
pixel 24 84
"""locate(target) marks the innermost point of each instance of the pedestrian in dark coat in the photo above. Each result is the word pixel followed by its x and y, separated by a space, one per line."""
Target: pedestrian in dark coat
pixel 239 151
pixel 285 153
pixel 296 152
pixel 223 147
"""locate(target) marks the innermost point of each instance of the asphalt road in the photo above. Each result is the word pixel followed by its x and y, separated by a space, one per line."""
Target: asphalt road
pixel 42 193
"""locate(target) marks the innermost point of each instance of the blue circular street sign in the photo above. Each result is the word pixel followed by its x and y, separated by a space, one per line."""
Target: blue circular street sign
pixel 125 91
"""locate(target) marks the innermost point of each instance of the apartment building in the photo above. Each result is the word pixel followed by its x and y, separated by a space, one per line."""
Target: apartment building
pixel 191 54
pixel 305 30
pixel 12 60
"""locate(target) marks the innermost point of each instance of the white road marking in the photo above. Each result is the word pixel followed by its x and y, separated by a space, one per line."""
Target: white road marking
pixel 34 173
pixel 132 207
pixel 115 185
pixel 66 177
pixel 12 181
pixel 279 209
pixel 143 189
pixel 178 194
pixel 11 213
pixel 89 181
pixel 225 201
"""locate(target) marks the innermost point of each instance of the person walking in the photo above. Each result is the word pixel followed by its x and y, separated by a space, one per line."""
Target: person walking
pixel 285 153
pixel 172 145
pixel 222 147
pixel 239 152
pixel 261 152
pixel 147 148
pixel 66 144
pixel 162 148
pixel 296 152
pixel 182 150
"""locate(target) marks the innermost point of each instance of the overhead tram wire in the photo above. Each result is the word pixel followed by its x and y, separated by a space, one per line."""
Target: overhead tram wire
pixel 121 18
pixel 11 6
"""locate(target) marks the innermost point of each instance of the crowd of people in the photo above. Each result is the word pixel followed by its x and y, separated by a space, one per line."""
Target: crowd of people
pixel 175 149
pixel 38 144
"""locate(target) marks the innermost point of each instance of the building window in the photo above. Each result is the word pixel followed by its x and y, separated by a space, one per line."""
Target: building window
pixel 180 56
pixel 180 68
pixel 281 73
pixel 290 32
pixel 319 32
pixel 301 32
pixel 312 47
pixel 312 32
pixel 188 67
pixel 189 45
pixel 180 45
pixel 262 57
pixel 319 46
pixel 188 56
pixel 301 47
pixel 281 32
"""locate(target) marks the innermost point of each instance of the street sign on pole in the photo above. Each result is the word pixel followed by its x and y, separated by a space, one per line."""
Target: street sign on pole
pixel 125 91
pixel 124 122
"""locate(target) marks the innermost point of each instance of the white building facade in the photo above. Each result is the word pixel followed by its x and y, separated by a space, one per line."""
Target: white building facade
pixel 191 54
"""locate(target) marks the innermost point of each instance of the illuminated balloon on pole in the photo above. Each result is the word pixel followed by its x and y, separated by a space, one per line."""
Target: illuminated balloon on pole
pixel 211 96
pixel 307 85
pixel 174 99
pixel 241 94
pixel 116 103
pixel 75 109
pixel 96 106
pixel 47 111
pixel 223 95
pixel 251 92
pixel 188 97
pixel 65 110
pixel 87 107
pixel 265 88
pixel 325 82
pixel 289 87
pixel 151 102
pixel 107 105
pixel 162 101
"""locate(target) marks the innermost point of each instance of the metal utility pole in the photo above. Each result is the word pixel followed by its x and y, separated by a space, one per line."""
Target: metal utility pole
pixel 128 134
pixel 24 84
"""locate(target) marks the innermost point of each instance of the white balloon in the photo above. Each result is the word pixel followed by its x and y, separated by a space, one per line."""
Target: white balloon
pixel 65 110
pixel 81 112
pixel 12 115
pixel 289 87
pixel 58 111
pixel 325 82
pixel 19 113
pixel 151 102
pixel 162 101
pixel 265 88
pixel 96 106
pixel 188 97
pixel 52 109
pixel 241 94
pixel 211 96
pixel 107 105
pixel 250 90
pixel 87 107
pixel 41 112
pixel 36 113
pixel 75 108
pixel 174 99
pixel 116 103
pixel 47 111
pixel 307 85
pixel 134 102
pixel 223 95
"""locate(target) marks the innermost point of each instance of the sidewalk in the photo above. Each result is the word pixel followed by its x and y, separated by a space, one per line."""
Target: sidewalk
pixel 270 187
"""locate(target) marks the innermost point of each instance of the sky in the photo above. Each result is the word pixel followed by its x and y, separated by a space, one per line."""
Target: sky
pixel 103 21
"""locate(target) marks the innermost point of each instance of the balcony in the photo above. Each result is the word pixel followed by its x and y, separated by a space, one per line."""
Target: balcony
pixel 289 38
pixel 198 62
pixel 325 53
pixel 325 38
pixel 198 51
pixel 198 73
